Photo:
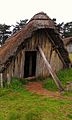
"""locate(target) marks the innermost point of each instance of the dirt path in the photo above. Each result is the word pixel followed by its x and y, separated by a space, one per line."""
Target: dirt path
pixel 36 87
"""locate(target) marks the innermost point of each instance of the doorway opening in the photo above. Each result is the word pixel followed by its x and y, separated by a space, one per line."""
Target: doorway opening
pixel 30 64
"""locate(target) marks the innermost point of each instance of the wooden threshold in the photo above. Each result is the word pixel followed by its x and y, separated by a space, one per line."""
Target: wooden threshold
pixel 30 78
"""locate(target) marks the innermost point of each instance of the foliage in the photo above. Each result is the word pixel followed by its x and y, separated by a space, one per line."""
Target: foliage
pixel 4 33
pixel 19 25
pixel 64 29
pixel 65 75
pixel 49 84
pixel 68 29
pixel 15 83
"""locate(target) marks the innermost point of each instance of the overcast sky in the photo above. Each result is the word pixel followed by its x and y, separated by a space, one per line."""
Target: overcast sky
pixel 15 10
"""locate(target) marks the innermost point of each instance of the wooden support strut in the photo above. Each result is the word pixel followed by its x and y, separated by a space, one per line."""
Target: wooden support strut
pixel 1 80
pixel 54 76
pixel 56 49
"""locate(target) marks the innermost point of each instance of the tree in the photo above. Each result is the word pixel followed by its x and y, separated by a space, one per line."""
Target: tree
pixel 19 25
pixel 59 27
pixel 68 29
pixel 4 33
pixel 65 30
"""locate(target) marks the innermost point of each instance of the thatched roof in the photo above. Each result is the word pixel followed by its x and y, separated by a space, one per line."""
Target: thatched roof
pixel 9 49
pixel 67 40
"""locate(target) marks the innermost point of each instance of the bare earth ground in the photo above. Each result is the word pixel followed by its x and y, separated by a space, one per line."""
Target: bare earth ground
pixel 36 87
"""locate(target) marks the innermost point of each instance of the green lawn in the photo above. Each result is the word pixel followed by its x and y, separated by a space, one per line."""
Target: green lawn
pixel 23 105
pixel 18 104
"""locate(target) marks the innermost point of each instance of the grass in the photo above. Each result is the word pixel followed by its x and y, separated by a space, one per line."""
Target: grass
pixel 64 76
pixel 23 105
pixel 16 103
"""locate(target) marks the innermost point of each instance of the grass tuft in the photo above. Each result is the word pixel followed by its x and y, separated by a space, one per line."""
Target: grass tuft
pixel 14 116
pixel 64 76
pixel 33 115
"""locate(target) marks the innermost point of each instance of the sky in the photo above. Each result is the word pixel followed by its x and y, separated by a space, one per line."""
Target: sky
pixel 12 11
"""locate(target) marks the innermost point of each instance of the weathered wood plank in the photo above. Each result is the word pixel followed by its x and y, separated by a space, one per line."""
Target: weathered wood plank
pixel 8 79
pixel 55 78
pixel 22 64
pixel 1 80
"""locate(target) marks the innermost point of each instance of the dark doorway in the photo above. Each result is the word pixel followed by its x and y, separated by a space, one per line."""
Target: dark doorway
pixel 30 63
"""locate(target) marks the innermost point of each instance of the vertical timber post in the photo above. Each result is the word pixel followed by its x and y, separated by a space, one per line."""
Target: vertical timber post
pixel 1 80
pixel 8 79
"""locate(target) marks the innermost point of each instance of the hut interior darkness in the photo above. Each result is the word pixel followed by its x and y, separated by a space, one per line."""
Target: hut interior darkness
pixel 30 63
pixel 20 57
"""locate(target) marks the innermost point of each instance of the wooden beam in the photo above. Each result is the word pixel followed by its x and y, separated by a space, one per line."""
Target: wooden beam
pixel 8 79
pixel 1 80
pixel 54 76
pixel 56 49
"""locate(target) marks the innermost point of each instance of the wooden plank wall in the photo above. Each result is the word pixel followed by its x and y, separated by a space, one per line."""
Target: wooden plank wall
pixel 16 68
